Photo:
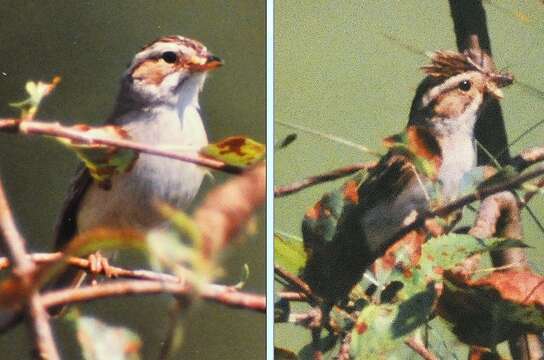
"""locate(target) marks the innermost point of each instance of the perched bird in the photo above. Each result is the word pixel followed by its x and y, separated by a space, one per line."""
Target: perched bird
pixel 156 105
pixel 347 230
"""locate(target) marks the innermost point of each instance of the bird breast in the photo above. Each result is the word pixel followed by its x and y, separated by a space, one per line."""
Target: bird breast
pixel 130 200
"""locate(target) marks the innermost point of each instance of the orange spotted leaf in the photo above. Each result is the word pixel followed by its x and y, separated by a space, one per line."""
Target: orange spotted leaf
pixel 235 150
pixel 103 161
pixel 507 303
pixel 351 193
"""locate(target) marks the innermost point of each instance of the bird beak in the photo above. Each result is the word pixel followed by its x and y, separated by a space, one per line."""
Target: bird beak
pixel 203 63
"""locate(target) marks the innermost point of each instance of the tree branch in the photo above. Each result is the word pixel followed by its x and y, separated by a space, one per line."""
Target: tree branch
pixel 37 318
pixel 221 294
pixel 297 186
pixel 298 283
pixel 447 209
pixel 499 215
pixel 418 346
pixel 226 295
pixel 57 130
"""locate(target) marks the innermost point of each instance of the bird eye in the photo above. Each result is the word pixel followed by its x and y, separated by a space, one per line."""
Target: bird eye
pixel 169 56
pixel 465 85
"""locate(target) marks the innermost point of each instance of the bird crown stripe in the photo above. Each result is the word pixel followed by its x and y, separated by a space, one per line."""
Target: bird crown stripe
pixel 193 44
pixel 446 63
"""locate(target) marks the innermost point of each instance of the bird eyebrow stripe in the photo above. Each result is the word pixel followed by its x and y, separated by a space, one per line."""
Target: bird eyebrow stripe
pixel 432 93
pixel 179 40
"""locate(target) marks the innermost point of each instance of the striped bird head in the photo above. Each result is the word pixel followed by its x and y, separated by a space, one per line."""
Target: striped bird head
pixel 169 70
pixel 455 91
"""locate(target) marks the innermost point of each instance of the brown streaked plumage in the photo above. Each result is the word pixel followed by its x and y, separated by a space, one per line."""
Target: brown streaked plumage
pixel 342 237
pixel 156 105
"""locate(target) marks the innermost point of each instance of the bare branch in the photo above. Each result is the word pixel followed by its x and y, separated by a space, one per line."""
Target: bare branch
pixel 297 186
pixel 150 276
pixel 298 283
pixel 486 191
pixel 418 346
pixel 57 130
pixel 499 215
pixel 221 294
pixel 13 242
pixel 37 318
pixel 292 296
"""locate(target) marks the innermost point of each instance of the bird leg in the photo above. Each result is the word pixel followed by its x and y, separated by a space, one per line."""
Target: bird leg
pixel 99 264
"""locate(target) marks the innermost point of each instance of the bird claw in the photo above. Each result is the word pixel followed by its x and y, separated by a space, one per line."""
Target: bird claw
pixel 99 264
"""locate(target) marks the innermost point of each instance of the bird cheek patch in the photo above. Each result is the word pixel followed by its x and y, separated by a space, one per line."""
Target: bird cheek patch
pixel 152 71
pixel 452 104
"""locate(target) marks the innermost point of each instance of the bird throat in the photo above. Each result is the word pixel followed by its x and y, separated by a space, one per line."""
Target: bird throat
pixel 458 158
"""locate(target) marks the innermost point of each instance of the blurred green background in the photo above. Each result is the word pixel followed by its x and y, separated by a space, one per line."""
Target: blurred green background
pixel 351 69
pixel 89 44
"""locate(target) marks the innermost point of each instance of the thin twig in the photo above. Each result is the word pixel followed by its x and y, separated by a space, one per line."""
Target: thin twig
pixel 292 296
pixel 37 318
pixel 530 194
pixel 416 345
pixel 171 342
pixel 298 283
pixel 297 186
pixel 525 159
pixel 221 294
pixel 344 351
pixel 331 137
pixel 13 242
pixel 510 184
pixel 57 130
pixel 84 264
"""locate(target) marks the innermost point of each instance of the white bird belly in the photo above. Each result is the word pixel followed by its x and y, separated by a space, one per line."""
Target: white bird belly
pixel 130 200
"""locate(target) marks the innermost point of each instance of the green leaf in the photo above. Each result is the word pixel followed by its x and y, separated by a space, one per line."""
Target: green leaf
pixel 289 252
pixel 36 91
pixel 235 150
pixel 103 161
pixel 167 252
pixel 504 244
pixel 183 223
pixel 105 239
pixel 444 252
pixel 100 341
pixel 372 336
pixel 382 328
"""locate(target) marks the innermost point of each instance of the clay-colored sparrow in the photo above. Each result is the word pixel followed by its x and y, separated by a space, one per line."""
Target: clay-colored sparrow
pixel 157 105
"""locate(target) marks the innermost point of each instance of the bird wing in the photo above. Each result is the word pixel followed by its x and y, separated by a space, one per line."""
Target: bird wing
pixel 334 234
pixel 66 227
pixel 364 191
